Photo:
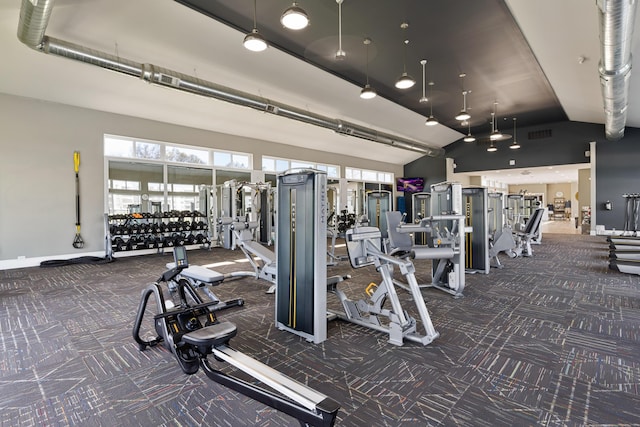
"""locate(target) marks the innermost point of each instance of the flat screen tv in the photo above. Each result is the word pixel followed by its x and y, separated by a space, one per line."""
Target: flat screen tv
pixel 410 185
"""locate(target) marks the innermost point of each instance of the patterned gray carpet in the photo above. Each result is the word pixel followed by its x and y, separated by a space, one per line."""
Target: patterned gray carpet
pixel 550 340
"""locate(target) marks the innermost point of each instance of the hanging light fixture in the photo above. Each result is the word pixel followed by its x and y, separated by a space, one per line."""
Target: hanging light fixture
pixel 254 40
pixel 514 145
pixel 405 81
pixel 294 17
pixel 424 74
pixel 367 91
pixel 340 54
pixel 463 115
pixel 431 121
pixel 469 137
pixel 495 133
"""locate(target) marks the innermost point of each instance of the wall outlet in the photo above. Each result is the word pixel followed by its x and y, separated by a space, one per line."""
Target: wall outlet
pixel 512 162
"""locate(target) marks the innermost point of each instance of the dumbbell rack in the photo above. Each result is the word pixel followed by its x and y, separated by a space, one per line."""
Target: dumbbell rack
pixel 138 231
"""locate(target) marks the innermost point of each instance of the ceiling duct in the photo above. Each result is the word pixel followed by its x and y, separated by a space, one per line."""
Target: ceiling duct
pixel 616 19
pixel 34 16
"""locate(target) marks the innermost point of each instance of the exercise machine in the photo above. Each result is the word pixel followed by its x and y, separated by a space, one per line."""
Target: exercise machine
pixel 531 230
pixel 261 258
pixel 444 249
pixel 192 332
pixel 420 208
pixel 500 233
pixel 301 250
pixel 476 205
pixel 363 247
pixel 377 203
pixel 631 213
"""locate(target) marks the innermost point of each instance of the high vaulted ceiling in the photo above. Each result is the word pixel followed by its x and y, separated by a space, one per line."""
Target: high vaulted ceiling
pixel 537 59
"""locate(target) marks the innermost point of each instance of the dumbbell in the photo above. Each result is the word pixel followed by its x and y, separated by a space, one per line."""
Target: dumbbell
pixel 118 244
pixel 133 243
pixel 178 239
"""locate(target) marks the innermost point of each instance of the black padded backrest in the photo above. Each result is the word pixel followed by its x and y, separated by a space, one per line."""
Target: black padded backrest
pixel 534 222
pixel 398 241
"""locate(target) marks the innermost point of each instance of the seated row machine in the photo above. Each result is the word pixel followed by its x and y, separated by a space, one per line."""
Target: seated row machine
pixel 191 331
pixel 363 247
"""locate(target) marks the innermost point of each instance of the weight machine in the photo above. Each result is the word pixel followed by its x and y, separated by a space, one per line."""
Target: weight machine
pixel 445 250
pixel 377 203
pixel 189 328
pixel 420 208
pixel 301 250
pixel 500 233
pixel 477 238
pixel 363 246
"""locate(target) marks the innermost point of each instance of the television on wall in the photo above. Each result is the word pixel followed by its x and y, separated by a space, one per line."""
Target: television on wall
pixel 410 185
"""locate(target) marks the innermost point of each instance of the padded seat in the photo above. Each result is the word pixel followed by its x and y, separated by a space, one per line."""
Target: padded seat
pixel 263 253
pixel 202 274
pixel 211 336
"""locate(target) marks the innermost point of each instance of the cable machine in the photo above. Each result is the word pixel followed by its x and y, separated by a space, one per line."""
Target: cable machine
pixel 378 203
pixel 301 247
pixel 420 208
pixel 477 237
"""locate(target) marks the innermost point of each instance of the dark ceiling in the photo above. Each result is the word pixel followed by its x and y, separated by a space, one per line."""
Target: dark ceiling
pixel 479 38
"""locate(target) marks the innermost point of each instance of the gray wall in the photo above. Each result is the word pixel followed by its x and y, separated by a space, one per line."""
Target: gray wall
pixel 567 145
pixel 617 173
pixel 617 163
pixel 37 181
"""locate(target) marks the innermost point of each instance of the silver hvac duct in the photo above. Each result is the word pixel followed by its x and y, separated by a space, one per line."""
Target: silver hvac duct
pixel 34 16
pixel 616 19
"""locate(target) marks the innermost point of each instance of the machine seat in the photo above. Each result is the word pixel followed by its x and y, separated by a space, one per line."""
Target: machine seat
pixel 263 253
pixel 201 274
pixel 211 336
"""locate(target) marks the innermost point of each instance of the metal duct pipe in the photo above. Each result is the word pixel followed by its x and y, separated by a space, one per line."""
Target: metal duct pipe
pixel 616 19
pixel 31 29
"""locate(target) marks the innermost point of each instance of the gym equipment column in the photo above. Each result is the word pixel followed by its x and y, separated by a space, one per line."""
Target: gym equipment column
pixel 301 247
pixel 476 240
pixel 495 213
pixel 420 208
pixel 378 202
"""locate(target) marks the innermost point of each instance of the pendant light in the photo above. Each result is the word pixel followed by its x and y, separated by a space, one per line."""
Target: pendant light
pixel 495 133
pixel 405 81
pixel 367 91
pixel 424 74
pixel 431 121
pixel 463 115
pixel 340 54
pixel 469 137
pixel 492 148
pixel 514 145
pixel 294 17
pixel 254 40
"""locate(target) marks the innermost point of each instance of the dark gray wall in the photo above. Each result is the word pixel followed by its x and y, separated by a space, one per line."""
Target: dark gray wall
pixel 617 173
pixel 433 170
pixel 617 163
pixel 566 145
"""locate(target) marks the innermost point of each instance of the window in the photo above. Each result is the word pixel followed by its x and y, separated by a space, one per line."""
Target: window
pixel 186 155
pixel 275 165
pixel 117 146
pixel 368 175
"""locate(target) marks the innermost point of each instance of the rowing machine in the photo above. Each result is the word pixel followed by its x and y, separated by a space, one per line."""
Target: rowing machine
pixel 191 331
